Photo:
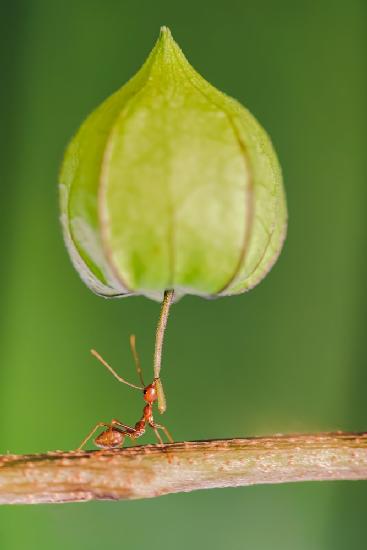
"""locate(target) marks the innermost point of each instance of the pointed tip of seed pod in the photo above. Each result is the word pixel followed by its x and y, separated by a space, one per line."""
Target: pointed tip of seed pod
pixel 165 41
pixel 165 31
pixel 165 35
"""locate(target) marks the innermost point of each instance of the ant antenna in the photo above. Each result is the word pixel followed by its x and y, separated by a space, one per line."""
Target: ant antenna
pixel 108 367
pixel 136 358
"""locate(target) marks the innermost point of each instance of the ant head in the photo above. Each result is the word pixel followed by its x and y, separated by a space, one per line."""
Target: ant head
pixel 150 393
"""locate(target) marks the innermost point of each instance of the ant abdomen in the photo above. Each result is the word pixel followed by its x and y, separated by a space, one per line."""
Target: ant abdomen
pixel 110 439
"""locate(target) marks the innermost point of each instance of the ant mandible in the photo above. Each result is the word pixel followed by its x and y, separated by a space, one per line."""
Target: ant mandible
pixel 114 435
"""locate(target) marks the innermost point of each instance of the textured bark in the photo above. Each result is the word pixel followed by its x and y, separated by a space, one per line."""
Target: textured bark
pixel 153 470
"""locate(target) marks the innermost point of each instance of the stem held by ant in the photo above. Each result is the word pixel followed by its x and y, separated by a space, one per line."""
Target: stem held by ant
pixel 161 327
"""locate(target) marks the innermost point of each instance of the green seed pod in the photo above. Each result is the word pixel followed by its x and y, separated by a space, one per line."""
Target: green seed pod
pixel 171 184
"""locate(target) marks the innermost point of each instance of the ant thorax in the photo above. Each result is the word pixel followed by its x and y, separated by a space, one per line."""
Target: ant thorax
pixel 148 413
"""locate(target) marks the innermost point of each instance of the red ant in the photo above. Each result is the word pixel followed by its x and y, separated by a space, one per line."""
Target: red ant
pixel 114 435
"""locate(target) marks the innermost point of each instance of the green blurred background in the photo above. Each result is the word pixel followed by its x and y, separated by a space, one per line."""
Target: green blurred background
pixel 288 356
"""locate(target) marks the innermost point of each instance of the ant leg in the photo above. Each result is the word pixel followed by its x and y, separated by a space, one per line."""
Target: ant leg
pixel 168 435
pixel 129 429
pixel 158 435
pixel 91 434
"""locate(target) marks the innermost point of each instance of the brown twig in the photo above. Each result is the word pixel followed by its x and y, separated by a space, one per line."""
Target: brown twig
pixel 153 470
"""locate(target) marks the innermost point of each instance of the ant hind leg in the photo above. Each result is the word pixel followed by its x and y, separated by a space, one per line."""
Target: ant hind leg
pixel 129 429
pixel 91 434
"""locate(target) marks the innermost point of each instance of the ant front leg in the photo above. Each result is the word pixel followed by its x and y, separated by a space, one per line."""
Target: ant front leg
pixel 155 428
pixel 157 435
pixel 91 434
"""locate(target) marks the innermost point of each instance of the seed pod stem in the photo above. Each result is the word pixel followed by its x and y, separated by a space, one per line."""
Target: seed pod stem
pixel 161 327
